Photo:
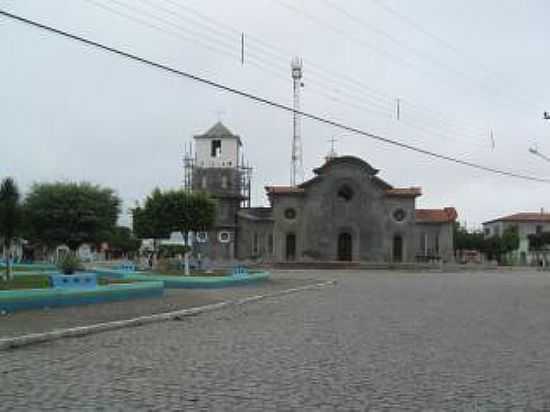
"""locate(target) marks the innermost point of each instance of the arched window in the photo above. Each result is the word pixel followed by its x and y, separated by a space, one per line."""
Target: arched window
pixel 345 193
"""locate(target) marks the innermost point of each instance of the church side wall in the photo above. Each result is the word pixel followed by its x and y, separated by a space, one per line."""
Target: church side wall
pixel 255 240
pixel 435 239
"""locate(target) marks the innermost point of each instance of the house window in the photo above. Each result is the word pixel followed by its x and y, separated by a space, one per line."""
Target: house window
pixel 423 244
pixel 346 193
pixel 216 148
pixel 204 182
pixel 255 248
pixel 487 231
pixel 224 182
pixel 539 229
pixel 437 244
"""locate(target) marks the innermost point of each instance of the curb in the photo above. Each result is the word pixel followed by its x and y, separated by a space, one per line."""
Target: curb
pixel 34 338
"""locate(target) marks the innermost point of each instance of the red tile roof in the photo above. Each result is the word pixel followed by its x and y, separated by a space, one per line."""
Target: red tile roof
pixel 523 217
pixel 283 190
pixel 404 191
pixel 445 215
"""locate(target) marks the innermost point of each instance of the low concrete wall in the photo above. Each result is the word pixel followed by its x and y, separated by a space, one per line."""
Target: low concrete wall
pixel 13 300
pixel 199 282
pixel 187 282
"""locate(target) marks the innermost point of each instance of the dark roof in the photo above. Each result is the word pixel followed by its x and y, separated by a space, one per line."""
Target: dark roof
pixel 257 213
pixel 346 160
pixel 448 214
pixel 403 192
pixel 523 217
pixel 220 131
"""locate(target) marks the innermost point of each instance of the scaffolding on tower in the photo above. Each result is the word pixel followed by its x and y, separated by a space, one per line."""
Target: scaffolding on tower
pixel 188 164
pixel 245 172
pixel 243 167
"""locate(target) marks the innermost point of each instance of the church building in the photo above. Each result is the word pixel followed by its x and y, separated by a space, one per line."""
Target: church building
pixel 346 212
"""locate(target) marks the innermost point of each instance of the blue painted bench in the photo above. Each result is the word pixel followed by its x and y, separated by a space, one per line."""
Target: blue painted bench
pixel 76 281
pixel 127 267
pixel 239 272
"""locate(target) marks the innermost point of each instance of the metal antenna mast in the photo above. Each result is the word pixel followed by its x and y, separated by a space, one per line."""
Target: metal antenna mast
pixel 296 168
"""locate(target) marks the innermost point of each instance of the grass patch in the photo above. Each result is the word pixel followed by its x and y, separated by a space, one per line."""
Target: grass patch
pixel 26 282
pixel 214 273
pixel 174 272
pixel 103 281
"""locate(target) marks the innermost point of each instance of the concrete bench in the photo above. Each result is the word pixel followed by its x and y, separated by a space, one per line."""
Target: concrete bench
pixel 127 267
pixel 76 281
pixel 239 272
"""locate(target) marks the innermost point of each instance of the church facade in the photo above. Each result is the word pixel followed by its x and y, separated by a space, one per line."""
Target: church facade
pixel 346 212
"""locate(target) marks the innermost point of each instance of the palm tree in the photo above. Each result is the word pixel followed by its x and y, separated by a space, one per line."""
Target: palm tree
pixel 10 217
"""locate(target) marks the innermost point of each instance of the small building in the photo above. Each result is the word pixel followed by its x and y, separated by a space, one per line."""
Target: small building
pixel 345 212
pixel 527 223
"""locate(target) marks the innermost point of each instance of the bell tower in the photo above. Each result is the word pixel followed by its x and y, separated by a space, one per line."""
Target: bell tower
pixel 218 170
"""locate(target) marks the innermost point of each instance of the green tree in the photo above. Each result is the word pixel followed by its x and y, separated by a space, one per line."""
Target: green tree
pixel 71 213
pixel 497 247
pixel 467 240
pixel 173 211
pixel 123 240
pixel 10 217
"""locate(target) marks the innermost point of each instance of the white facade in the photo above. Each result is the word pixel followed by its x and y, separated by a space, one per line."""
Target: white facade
pixel 526 224
pixel 218 147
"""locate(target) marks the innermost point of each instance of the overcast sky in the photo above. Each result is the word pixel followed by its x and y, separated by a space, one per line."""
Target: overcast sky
pixel 459 68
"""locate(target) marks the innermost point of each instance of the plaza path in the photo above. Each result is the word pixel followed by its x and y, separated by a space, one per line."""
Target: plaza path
pixel 375 341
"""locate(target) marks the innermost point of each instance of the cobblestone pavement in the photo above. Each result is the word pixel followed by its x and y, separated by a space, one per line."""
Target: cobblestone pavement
pixel 375 341
pixel 25 322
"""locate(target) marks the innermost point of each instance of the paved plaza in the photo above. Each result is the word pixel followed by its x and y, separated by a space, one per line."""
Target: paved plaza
pixel 377 340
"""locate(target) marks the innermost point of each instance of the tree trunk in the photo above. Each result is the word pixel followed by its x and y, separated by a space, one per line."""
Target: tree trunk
pixel 7 248
pixel 187 254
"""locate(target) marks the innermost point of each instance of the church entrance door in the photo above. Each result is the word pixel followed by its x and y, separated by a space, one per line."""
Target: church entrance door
pixel 344 247
pixel 290 246
pixel 397 248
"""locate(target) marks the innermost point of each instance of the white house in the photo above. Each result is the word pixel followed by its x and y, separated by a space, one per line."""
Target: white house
pixel 527 223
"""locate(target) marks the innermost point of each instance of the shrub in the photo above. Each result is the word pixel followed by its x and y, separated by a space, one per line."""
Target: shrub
pixel 70 264
pixel 170 251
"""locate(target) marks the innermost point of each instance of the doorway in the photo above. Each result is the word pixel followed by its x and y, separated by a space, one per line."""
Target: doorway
pixel 290 246
pixel 397 248
pixel 344 247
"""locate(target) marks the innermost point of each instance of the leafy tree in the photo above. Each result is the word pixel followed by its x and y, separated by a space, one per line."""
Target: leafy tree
pixel 465 240
pixel 10 217
pixel 496 247
pixel 71 213
pixel 123 240
pixel 539 241
pixel 174 211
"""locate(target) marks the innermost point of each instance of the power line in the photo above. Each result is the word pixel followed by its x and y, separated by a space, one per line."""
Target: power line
pixel 349 95
pixel 270 102
pixel 479 85
pixel 384 105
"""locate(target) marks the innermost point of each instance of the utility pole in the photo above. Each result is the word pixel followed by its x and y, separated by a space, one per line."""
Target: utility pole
pixel 296 168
